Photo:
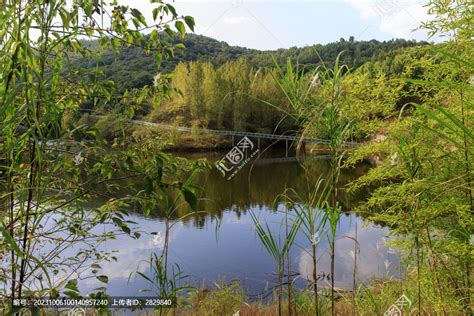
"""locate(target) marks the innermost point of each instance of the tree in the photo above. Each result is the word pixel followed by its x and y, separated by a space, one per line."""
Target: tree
pixel 47 174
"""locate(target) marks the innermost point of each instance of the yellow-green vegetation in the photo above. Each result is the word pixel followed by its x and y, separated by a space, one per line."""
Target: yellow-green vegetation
pixel 421 101
pixel 225 300
pixel 239 96
pixel 132 67
pixel 416 102
pixel 370 299
pixel 227 97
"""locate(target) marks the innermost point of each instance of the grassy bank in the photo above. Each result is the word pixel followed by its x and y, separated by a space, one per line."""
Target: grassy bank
pixel 368 299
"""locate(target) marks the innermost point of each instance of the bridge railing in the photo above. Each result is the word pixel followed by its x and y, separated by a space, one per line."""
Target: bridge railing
pixel 243 134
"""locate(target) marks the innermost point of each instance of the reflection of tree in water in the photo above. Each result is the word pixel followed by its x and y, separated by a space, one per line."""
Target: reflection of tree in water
pixel 259 188
pixel 255 186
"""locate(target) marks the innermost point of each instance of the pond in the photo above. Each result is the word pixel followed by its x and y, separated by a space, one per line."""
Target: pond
pixel 221 244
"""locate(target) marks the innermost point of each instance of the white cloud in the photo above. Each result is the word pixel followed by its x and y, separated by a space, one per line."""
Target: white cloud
pixel 398 18
pixel 374 258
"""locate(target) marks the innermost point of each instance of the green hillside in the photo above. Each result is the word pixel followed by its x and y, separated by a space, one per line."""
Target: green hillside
pixel 133 68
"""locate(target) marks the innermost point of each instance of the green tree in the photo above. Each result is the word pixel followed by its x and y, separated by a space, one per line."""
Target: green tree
pixel 47 173
pixel 424 190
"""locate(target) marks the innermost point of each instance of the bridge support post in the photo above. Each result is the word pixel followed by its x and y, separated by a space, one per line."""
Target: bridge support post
pixel 286 148
pixel 233 141
pixel 258 140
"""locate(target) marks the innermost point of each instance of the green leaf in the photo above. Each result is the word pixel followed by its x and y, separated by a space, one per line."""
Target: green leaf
pixel 145 277
pixel 64 18
pixel 15 46
pixel 158 58
pixel 53 293
pixel 172 10
pixel 148 185
pixel 168 31
pixel 102 289
pixel 103 278
pixel 89 31
pixel 139 16
pixel 189 20
pixel 117 221
pixel 57 69
pixel 130 112
pixel 72 285
pixel 180 27
pixel 155 13
pixel 159 172
pixel 11 242
pixel 154 36
pixel 115 42
pixel 72 294
pixel 190 198
pixel 126 229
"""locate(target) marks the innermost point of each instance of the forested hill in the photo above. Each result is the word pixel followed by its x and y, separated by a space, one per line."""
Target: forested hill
pixel 133 68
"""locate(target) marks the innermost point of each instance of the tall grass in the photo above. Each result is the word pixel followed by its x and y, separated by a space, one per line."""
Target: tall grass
pixel 167 281
pixel 277 248
pixel 324 112
pixel 313 216
pixel 453 127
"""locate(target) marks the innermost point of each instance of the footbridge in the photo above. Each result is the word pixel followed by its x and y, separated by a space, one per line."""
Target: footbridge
pixel 258 136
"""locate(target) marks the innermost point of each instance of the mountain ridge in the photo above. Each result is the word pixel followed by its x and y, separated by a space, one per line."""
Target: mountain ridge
pixel 133 68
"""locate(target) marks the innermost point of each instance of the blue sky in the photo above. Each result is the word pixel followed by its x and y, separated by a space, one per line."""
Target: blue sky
pixel 272 24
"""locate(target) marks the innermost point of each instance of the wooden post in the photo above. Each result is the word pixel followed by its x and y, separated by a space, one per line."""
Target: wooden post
pixel 286 148
pixel 258 142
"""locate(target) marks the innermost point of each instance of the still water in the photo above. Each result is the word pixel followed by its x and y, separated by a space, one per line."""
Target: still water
pixel 221 245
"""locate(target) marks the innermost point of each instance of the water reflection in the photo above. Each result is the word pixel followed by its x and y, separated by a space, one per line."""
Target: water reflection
pixel 373 258
pixel 222 244
pixel 235 252
pixel 258 186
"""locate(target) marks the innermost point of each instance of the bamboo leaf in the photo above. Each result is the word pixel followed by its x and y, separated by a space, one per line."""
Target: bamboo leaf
pixel 11 242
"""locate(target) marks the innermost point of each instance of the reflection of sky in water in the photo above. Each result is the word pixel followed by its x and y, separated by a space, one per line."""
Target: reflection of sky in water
pixel 373 259
pixel 233 251
pixel 209 251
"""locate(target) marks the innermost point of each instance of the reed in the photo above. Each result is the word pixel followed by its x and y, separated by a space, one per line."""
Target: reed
pixel 277 249
pixel 313 217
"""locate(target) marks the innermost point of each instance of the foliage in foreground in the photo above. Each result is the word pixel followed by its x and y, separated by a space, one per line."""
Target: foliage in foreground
pixel 373 299
pixel 50 169
pixel 424 184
